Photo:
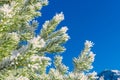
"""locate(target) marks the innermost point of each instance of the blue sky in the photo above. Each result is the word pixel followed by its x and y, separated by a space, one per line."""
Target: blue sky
pixel 95 20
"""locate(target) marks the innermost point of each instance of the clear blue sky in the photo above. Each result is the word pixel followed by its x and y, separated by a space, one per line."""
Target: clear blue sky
pixel 95 20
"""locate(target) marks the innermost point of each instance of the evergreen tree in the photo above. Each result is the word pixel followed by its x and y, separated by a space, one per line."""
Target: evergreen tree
pixel 23 54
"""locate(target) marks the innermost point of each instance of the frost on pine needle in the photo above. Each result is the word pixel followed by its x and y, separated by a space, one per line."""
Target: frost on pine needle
pixel 58 17
pixel 37 42
pixel 64 29
pixel 84 61
pixel 23 52
pixel 6 10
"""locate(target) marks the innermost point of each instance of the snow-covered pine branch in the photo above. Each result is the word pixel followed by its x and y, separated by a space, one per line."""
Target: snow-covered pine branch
pixel 23 54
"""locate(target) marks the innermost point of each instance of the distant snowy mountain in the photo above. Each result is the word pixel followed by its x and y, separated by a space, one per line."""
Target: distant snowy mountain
pixel 109 75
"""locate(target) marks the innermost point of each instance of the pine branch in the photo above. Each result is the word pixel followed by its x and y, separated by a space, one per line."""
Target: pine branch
pixel 6 62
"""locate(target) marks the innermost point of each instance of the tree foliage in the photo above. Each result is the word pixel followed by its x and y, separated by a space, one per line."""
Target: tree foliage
pixel 23 54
